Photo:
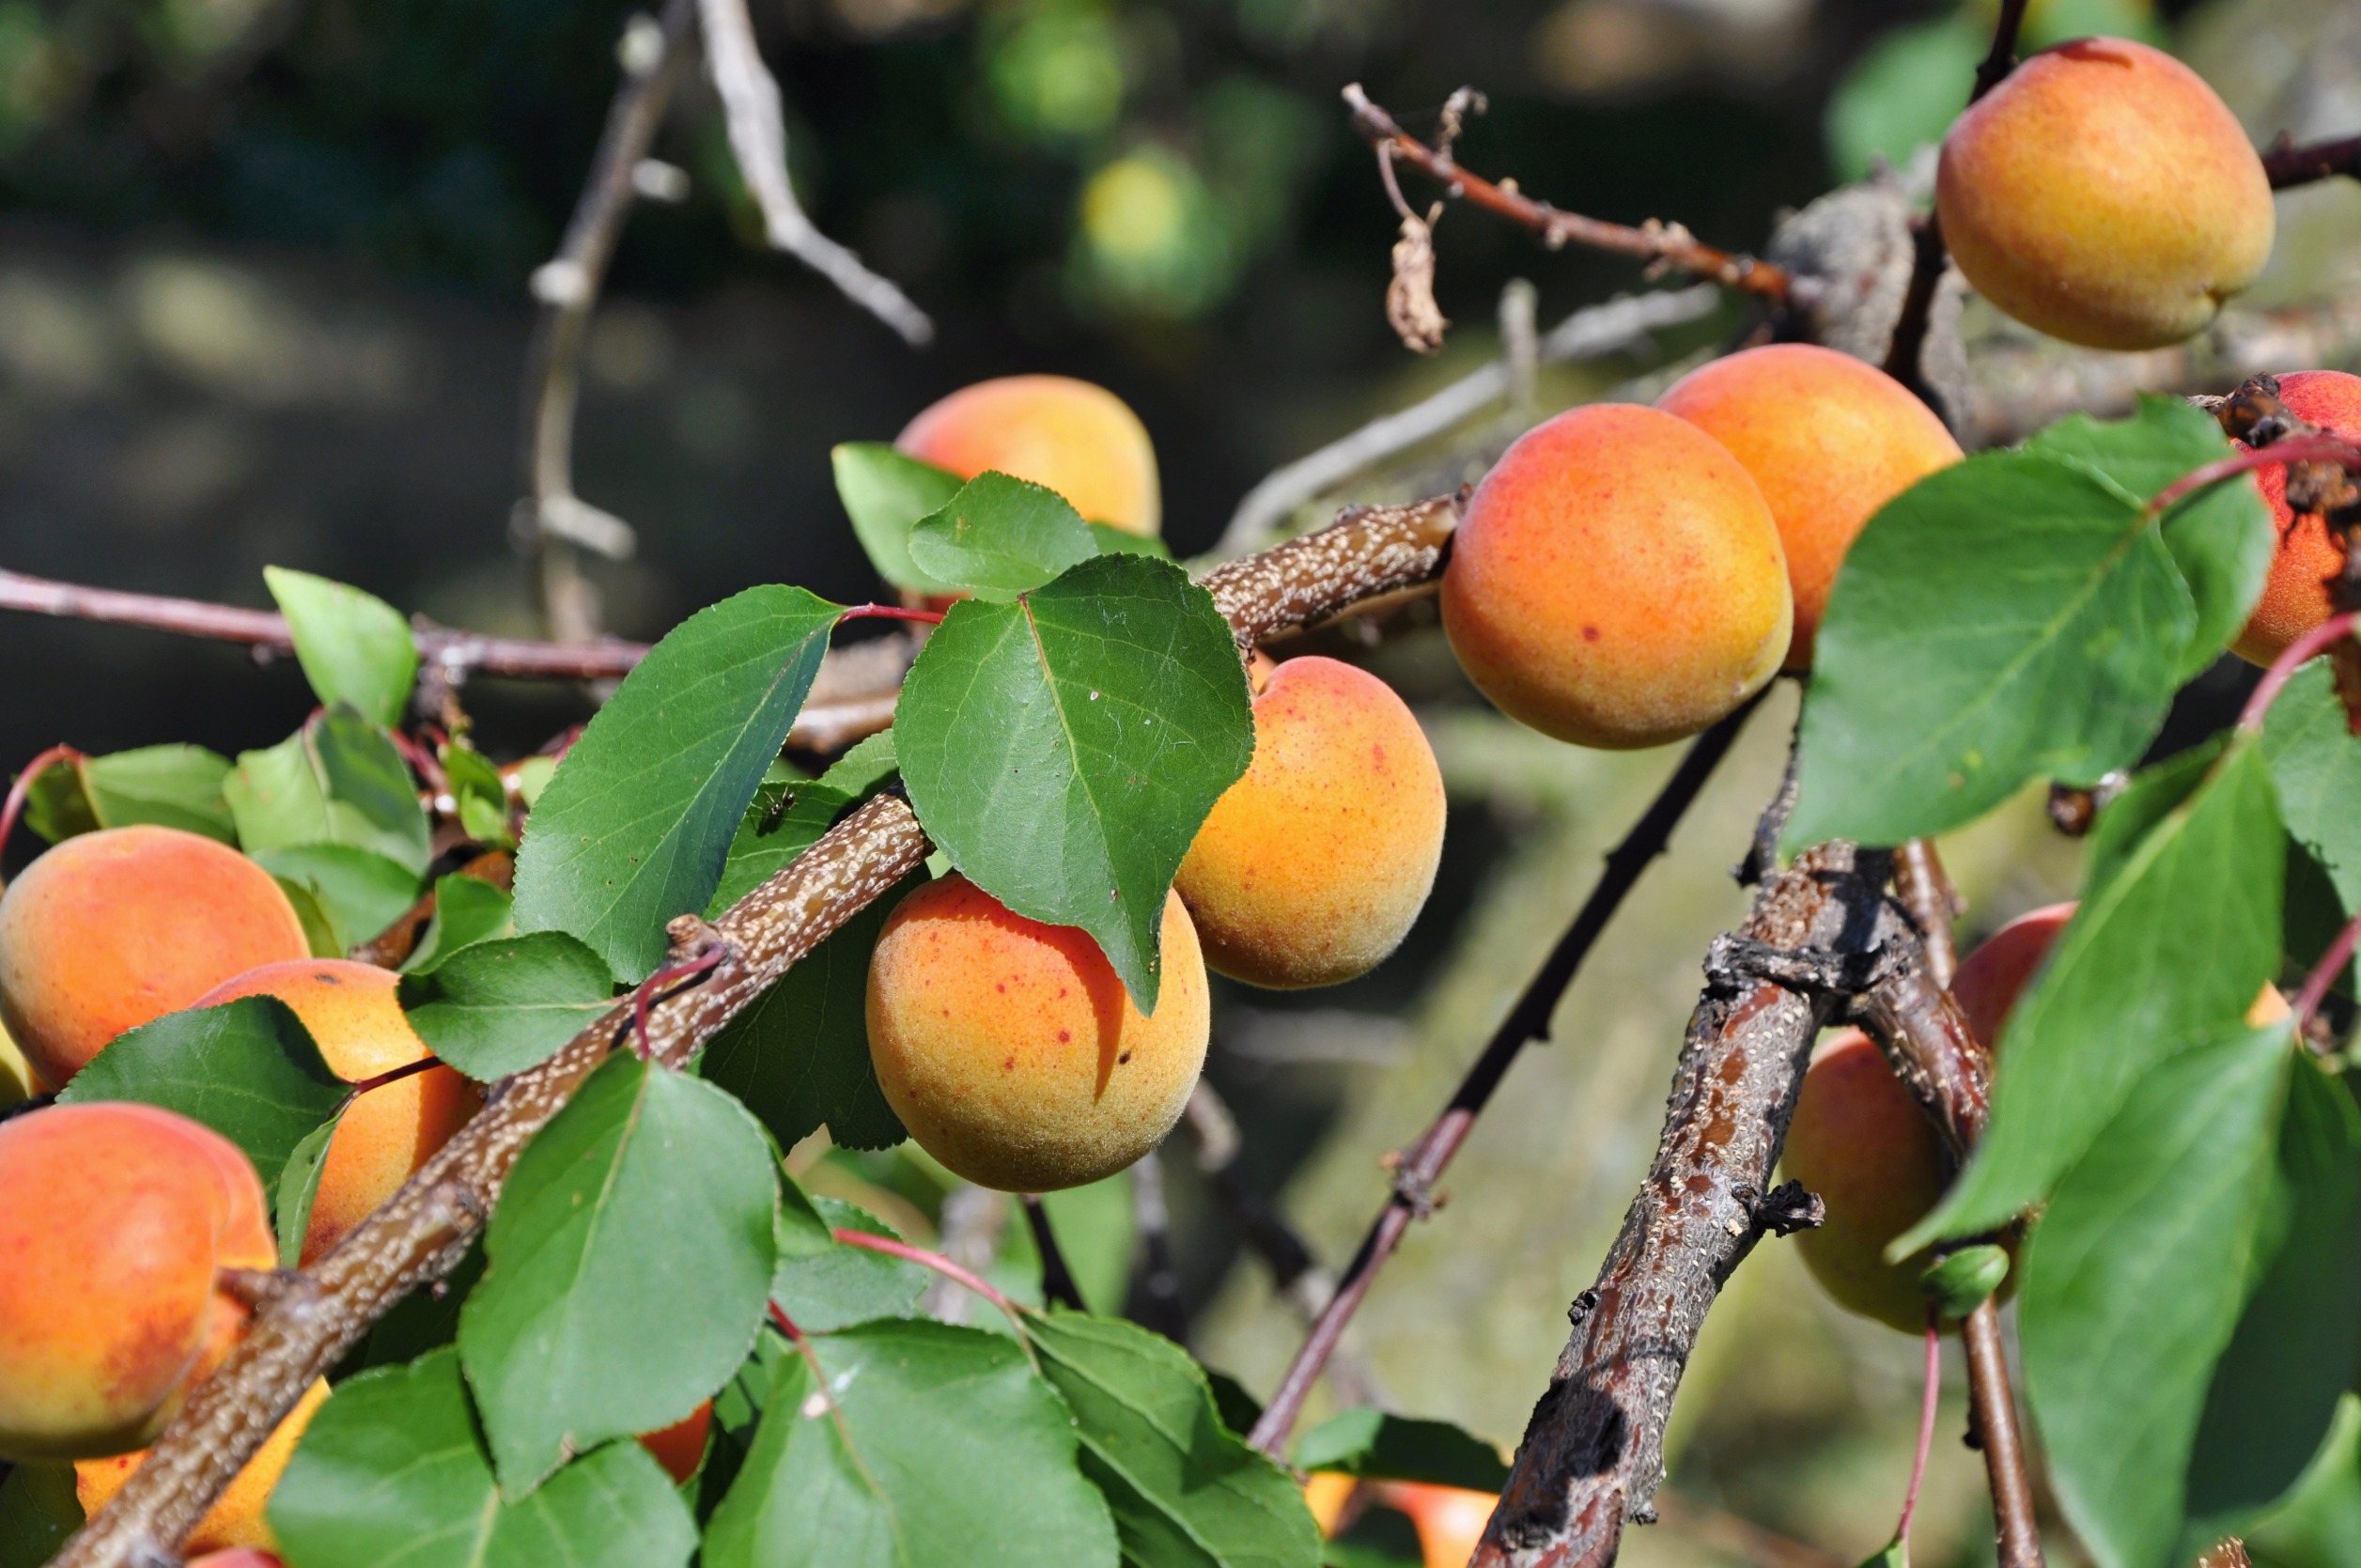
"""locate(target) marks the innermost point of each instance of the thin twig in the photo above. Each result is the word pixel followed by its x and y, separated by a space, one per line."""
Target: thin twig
pixel 936 1261
pixel 552 518
pixel 1155 1286
pixel 1615 327
pixel 973 1219
pixel 2001 58
pixel 1665 244
pixel 21 789
pixel 1058 1285
pixel 2289 165
pixel 1925 890
pixel 2005 1463
pixel 758 140
pixel 2292 658
pixel 1928 1397
pixel 1414 1178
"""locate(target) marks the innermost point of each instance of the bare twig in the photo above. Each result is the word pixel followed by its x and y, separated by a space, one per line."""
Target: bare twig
pixel 1058 1286
pixel 2005 1461
pixel 552 518
pixel 423 1231
pixel 1665 244
pixel 1615 327
pixel 1927 893
pixel 2289 164
pixel 1592 1455
pixel 758 139
pixel 1424 1164
pixel 1156 1287
pixel 2002 57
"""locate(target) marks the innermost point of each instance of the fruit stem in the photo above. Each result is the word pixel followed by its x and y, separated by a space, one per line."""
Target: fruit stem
pixel 2283 668
pixel 408 1069
pixel 1926 1428
pixel 940 1264
pixel 891 613
pixel 2003 57
pixel 23 788
pixel 2289 449
pixel 2324 975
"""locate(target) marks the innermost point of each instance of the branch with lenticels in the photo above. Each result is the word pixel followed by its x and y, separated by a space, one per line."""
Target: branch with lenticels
pixel 305 1321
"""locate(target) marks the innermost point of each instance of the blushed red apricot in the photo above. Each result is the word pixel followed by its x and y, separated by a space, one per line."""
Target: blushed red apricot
pixel 2105 194
pixel 1450 1519
pixel 114 1223
pixel 239 1557
pixel 1828 438
pixel 1311 868
pixel 110 930
pixel 237 1518
pixel 1012 1052
pixel 387 1133
pixel 1618 580
pixel 680 1446
pixel 1079 440
pixel 2296 597
pixel 1994 974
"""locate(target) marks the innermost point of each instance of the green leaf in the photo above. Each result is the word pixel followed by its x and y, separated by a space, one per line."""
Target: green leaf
pixel 800 1228
pixel 338 779
pixel 2008 618
pixel 391 1474
pixel 466 911
pixel 2221 539
pixel 360 892
pixel 319 932
pixel 1378 1447
pixel 1902 92
pixel 798 1053
pixel 871 761
pixel 481 796
pixel 1065 749
pixel 2275 1390
pixel 1895 1554
pixel 39 1510
pixel 630 1257
pixel 1184 1489
pixel 636 825
pixel 2319 1526
pixel 246 1069
pixel 839 1287
pixel 1112 540
pixel 914 1445
pixel 2169 952
pixel 885 493
pixel 299 1185
pixel 355 647
pixel 173 786
pixel 2316 764
pixel 2133 1283
pixel 1001 536
pixel 785 817
pixel 498 1007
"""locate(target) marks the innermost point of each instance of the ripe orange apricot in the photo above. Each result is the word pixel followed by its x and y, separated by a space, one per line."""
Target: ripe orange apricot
pixel 387 1132
pixel 1618 580
pixel 236 1519
pixel 1079 440
pixel 2296 597
pixel 1828 438
pixel 680 1446
pixel 1861 1142
pixel 113 929
pixel 1450 1519
pixel 117 1221
pixel 1011 1051
pixel 1311 869
pixel 2105 194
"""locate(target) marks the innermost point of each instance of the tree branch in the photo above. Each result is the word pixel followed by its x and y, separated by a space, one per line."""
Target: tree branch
pixel 1659 244
pixel 1592 1455
pixel 424 1230
pixel 2289 165
pixel 552 518
pixel 1528 1020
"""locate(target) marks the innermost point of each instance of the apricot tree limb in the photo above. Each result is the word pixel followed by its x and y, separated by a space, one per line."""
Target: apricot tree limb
pixel 2289 164
pixel 1659 244
pixel 315 1315
pixel 1528 1020
pixel 1593 1453
pixel 552 520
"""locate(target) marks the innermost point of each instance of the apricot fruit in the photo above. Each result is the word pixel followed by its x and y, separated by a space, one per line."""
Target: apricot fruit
pixel 1079 440
pixel 110 930
pixel 236 1520
pixel 1012 1052
pixel 1450 1519
pixel 2105 194
pixel 1861 1142
pixel 1618 580
pixel 117 1221
pixel 2296 597
pixel 1994 974
pixel 387 1132
pixel 680 1446
pixel 1828 438
pixel 1311 869
pixel 239 1557
pixel 19 1082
